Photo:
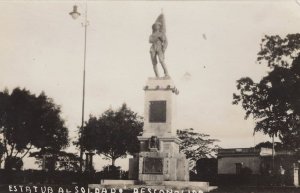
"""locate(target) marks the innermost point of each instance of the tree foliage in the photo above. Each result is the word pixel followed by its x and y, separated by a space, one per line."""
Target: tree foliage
pixel 276 51
pixel 28 121
pixel 196 145
pixel 113 134
pixel 274 101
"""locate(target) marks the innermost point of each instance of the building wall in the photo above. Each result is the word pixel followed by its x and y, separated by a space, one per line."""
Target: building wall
pixel 227 165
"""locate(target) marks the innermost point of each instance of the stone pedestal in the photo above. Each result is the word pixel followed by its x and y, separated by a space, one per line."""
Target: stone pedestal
pixel 159 107
pixel 158 166
pixel 159 158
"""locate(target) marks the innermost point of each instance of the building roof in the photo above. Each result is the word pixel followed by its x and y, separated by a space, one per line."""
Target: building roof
pixel 238 152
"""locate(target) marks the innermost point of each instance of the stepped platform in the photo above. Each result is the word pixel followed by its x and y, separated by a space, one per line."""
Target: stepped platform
pixel 160 186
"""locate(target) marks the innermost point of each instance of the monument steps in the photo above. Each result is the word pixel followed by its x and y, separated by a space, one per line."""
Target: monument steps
pixel 186 186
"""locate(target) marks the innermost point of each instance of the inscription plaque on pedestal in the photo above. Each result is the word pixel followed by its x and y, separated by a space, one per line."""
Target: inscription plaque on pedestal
pixel 153 165
pixel 158 111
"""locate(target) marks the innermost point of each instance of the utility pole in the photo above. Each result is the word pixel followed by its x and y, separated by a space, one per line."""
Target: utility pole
pixel 75 14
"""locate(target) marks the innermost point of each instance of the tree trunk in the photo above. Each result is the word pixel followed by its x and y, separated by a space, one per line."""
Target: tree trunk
pixel 113 160
pixel 7 163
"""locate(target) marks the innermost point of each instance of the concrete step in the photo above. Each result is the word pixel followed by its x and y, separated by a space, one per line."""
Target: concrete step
pixel 164 186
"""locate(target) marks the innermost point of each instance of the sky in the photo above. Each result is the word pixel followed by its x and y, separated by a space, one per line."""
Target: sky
pixel 213 42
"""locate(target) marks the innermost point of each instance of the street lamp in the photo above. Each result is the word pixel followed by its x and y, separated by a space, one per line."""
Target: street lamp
pixel 75 14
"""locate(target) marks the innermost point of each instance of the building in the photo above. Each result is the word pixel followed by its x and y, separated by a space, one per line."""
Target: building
pixel 253 166
pixel 239 160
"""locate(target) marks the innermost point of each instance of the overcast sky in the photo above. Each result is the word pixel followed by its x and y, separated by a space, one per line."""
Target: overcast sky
pixel 216 42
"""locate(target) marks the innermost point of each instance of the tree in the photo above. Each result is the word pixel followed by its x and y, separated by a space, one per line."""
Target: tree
pixel 196 145
pixel 28 121
pixel 113 134
pixel 274 101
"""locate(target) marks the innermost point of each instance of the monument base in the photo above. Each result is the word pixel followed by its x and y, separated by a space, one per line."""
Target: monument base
pixel 166 186
pixel 159 166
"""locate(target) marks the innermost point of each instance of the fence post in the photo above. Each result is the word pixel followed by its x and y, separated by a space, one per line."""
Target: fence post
pixel 296 175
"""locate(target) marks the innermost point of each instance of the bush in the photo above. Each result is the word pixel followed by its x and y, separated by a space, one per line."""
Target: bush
pixel 113 172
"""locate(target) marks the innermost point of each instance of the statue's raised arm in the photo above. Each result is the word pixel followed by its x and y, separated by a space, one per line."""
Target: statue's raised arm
pixel 159 42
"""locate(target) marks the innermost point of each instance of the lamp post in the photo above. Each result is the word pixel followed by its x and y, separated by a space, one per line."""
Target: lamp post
pixel 75 14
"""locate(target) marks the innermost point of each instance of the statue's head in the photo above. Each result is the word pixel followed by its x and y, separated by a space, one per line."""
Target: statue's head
pixel 156 27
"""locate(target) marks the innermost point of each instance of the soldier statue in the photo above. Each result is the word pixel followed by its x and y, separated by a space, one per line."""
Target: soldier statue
pixel 159 43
